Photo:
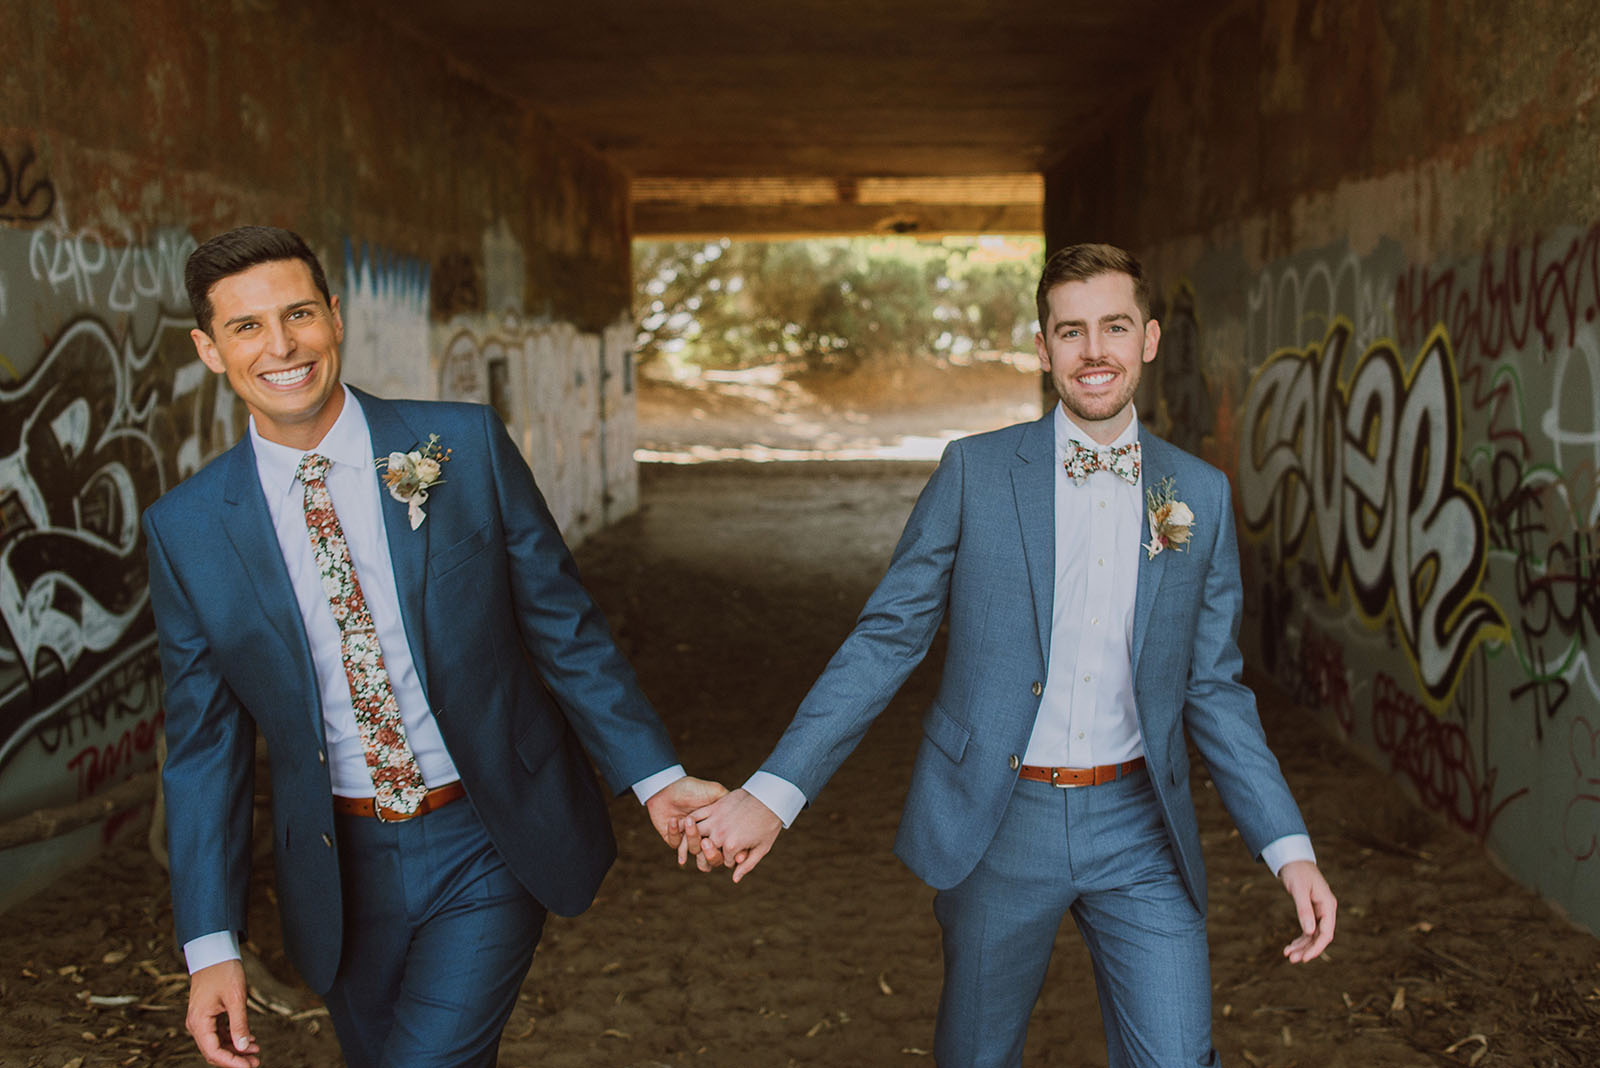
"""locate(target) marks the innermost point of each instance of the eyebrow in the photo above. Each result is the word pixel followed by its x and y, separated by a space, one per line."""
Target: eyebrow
pixel 252 316
pixel 1112 318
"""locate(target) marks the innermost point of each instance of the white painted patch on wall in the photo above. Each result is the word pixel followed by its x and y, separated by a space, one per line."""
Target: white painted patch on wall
pixel 385 310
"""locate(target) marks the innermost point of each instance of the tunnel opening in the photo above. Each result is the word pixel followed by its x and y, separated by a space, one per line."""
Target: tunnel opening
pixel 831 348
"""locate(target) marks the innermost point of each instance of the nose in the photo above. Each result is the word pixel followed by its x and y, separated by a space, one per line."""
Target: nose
pixel 280 339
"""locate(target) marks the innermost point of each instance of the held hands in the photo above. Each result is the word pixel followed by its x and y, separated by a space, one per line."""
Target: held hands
pixel 213 992
pixel 736 831
pixel 1316 907
pixel 670 807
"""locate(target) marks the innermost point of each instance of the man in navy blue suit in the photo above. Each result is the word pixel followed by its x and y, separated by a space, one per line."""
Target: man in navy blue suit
pixel 1090 576
pixel 378 588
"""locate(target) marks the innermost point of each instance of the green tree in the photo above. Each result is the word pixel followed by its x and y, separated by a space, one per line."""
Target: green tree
pixel 830 304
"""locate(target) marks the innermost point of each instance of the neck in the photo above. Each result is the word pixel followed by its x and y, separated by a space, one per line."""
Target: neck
pixel 1101 431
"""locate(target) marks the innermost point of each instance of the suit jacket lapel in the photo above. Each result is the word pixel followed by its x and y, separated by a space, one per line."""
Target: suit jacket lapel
pixel 408 549
pixel 249 529
pixel 1156 466
pixel 1033 480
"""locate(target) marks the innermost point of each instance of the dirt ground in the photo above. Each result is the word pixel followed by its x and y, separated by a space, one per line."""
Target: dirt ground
pixel 729 590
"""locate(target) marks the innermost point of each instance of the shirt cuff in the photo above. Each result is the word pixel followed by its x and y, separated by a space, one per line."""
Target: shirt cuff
pixel 210 949
pixel 645 789
pixel 1289 847
pixel 779 794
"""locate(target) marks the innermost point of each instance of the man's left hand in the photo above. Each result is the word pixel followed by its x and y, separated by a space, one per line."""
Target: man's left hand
pixel 671 805
pixel 1316 907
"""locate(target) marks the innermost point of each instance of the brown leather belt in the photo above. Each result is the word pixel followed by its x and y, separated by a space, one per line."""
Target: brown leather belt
pixel 1080 776
pixel 367 806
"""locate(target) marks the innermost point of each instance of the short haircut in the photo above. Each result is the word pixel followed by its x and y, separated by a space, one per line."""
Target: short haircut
pixel 1079 263
pixel 238 250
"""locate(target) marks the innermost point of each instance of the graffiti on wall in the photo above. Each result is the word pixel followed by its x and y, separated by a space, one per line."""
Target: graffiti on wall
pixel 1418 465
pixel 101 426
pixel 1371 469
pixel 25 194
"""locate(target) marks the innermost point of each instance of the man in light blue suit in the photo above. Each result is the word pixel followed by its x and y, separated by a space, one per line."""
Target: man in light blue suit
pixel 427 671
pixel 1090 576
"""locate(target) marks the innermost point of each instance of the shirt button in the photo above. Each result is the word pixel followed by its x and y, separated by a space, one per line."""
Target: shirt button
pixel 1080 736
pixel 1101 561
pixel 1095 622
pixel 1038 688
pixel 1086 678
pixel 1102 504
pixel 1015 763
pixel 327 840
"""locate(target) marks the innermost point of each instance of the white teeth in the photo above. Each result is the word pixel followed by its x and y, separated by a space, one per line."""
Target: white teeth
pixel 290 377
pixel 1096 379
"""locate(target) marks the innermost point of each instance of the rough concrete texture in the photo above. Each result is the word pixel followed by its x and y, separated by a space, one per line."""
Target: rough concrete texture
pixel 479 255
pixel 1378 233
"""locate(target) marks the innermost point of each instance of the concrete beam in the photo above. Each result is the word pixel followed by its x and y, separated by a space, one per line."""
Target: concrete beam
pixel 658 221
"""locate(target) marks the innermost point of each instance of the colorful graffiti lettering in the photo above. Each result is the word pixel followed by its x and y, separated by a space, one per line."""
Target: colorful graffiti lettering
pixel 1371 468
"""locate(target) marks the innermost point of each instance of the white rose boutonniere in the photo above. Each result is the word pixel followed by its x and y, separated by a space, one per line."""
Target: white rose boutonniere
pixel 410 475
pixel 1171 521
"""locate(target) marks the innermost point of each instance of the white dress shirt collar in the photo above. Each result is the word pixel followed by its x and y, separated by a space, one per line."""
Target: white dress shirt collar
pixel 346 442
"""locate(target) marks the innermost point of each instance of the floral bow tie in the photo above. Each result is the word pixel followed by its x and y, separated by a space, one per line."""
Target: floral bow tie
pixel 1122 461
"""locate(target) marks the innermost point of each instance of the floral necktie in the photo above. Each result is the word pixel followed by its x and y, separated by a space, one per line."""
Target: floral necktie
pixel 390 761
pixel 1122 461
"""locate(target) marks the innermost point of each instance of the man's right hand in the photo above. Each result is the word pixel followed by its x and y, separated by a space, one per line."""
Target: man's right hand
pixel 214 992
pixel 738 829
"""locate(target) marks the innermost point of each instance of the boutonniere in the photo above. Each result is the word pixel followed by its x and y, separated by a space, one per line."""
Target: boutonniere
pixel 1170 519
pixel 410 475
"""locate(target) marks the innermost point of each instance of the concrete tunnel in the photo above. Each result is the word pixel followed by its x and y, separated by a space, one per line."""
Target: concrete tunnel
pixel 1374 226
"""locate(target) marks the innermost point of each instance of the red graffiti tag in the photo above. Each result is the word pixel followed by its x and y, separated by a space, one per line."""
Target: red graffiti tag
pixel 98 765
pixel 1436 757
pixel 1581 826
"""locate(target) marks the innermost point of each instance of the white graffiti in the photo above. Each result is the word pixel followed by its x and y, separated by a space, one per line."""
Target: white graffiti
pixel 80 460
pixel 1372 470
pixel 1296 306
pixel 114 276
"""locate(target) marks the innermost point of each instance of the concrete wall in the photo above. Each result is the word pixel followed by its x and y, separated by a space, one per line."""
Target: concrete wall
pixel 1376 226
pixel 479 255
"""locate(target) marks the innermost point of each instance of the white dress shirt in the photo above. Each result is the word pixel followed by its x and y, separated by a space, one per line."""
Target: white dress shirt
pixel 357 499
pixel 1087 715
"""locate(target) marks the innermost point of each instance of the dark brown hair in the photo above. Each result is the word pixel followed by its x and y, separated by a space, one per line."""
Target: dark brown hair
pixel 1079 263
pixel 237 250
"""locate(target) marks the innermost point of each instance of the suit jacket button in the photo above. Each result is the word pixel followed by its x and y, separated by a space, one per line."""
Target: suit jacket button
pixel 322 758
pixel 1038 688
pixel 1015 762
pixel 327 840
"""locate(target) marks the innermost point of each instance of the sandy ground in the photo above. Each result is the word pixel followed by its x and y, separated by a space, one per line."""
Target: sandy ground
pixel 729 591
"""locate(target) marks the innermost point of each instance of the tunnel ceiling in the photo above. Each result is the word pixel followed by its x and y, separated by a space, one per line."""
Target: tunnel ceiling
pixel 820 114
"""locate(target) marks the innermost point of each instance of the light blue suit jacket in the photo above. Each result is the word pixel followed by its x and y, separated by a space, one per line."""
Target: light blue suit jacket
pixel 517 663
pixel 980 548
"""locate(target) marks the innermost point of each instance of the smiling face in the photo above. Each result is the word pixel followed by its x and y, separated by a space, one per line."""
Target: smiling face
pixel 277 340
pixel 1094 345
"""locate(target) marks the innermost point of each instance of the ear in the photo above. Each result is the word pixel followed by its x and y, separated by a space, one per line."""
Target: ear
pixel 1152 337
pixel 207 351
pixel 338 323
pixel 1043 349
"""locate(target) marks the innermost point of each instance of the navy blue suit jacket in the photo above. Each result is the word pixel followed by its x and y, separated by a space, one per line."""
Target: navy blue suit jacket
pixel 516 661
pixel 980 548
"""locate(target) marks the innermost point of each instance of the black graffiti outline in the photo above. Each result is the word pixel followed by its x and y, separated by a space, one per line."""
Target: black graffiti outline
pixel 1298 393
pixel 11 191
